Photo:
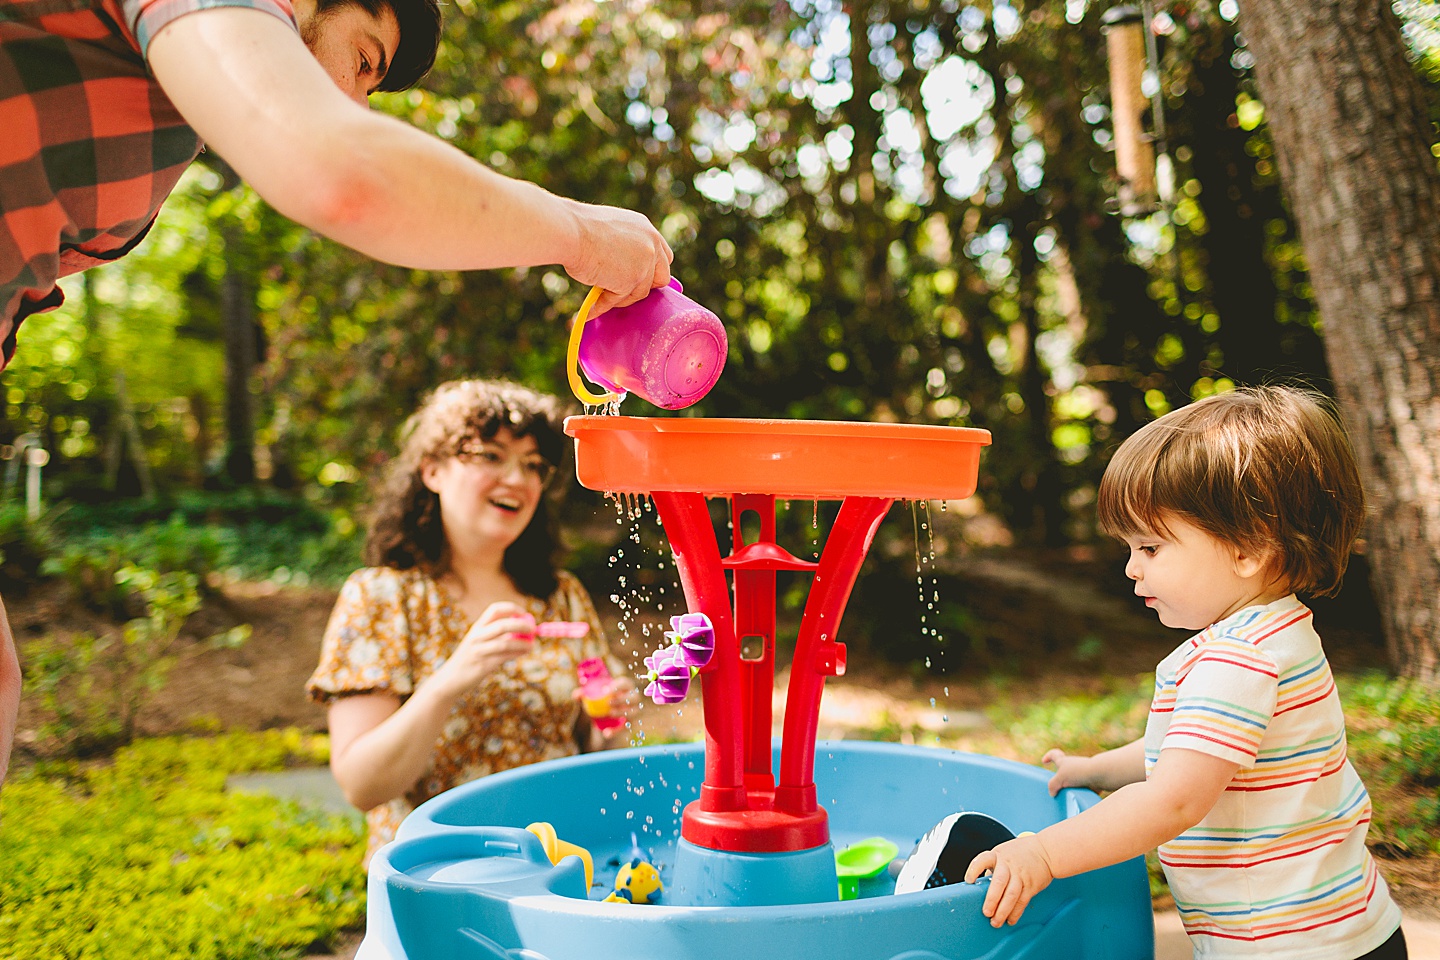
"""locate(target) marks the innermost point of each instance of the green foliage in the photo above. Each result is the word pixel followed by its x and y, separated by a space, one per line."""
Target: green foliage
pixel 1078 724
pixel 93 563
pixel 93 688
pixel 1394 736
pixel 63 677
pixel 150 857
pixel 899 210
pixel 245 533
pixel 24 546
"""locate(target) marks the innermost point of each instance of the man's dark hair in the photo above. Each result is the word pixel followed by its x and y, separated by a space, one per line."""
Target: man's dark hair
pixel 419 22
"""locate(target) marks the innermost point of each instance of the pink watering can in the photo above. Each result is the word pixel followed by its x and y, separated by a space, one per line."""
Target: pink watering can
pixel 665 348
pixel 596 683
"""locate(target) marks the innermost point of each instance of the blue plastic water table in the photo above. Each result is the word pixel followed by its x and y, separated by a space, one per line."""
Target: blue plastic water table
pixel 464 880
pixel 744 830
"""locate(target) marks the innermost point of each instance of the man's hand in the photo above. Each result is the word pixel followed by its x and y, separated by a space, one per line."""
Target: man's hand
pixel 620 252
pixel 1021 869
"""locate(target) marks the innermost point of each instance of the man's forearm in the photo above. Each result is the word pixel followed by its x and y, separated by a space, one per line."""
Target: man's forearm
pixel 257 96
pixel 406 198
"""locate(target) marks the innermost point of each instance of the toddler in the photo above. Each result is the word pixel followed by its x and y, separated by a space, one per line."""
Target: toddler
pixel 1231 506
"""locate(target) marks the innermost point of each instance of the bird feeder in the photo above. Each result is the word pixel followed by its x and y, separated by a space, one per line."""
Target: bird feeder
pixel 1125 46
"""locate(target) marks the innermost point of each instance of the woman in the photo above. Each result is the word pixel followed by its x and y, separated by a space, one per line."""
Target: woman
pixel 430 667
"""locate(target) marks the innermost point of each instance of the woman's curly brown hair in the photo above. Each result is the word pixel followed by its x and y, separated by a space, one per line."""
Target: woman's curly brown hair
pixel 405 526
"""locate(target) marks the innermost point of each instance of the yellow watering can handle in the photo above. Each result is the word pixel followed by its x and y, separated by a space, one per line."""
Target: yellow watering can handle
pixel 572 356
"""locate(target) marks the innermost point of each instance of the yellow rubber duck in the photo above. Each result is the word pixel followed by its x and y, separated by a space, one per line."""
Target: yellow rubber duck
pixel 636 882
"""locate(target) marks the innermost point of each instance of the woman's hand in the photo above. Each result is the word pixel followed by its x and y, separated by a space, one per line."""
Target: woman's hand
pixel 1069 771
pixel 620 698
pixel 623 698
pixel 504 632
pixel 1020 869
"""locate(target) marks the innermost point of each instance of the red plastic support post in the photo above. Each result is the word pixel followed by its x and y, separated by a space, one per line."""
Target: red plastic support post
pixel 817 652
pixel 755 617
pixel 697 559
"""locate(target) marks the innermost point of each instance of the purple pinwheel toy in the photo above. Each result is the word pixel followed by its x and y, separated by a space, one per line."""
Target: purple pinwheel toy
pixel 694 634
pixel 669 676
pixel 670 669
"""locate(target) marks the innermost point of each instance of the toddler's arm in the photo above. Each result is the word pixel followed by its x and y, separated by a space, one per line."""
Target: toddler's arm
pixel 1110 770
pixel 1181 790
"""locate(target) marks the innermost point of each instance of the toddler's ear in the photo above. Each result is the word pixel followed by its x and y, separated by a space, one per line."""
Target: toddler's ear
pixel 1252 561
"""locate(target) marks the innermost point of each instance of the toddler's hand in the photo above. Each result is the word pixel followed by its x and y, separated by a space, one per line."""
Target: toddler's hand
pixel 1020 869
pixel 1069 771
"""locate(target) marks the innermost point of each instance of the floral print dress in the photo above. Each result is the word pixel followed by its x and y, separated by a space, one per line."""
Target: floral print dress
pixel 392 629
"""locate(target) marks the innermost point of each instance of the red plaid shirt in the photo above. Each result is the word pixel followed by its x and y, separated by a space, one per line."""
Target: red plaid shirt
pixel 90 146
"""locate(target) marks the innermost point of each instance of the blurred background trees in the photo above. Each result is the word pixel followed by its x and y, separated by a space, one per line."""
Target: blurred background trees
pixel 903 210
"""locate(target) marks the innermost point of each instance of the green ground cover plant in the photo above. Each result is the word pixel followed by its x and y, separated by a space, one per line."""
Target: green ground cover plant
pixel 93 686
pixel 147 856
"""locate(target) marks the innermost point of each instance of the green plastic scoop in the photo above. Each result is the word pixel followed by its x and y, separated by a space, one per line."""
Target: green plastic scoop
pixel 861 861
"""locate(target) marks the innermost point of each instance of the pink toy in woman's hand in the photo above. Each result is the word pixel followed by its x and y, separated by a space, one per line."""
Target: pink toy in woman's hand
pixel 564 629
pixel 596 684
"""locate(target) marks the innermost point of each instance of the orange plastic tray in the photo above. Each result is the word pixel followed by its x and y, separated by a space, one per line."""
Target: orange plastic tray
pixel 796 459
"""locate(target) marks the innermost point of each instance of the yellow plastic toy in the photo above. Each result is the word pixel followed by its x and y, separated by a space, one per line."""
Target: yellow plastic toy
pixel 557 849
pixel 636 882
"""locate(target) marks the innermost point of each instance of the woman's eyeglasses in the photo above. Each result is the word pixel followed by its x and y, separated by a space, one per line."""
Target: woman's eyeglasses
pixel 499 461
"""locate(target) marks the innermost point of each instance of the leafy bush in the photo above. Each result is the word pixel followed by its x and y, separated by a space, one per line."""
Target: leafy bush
pixel 92 564
pixel 93 688
pixel 247 534
pixel 1078 724
pixel 149 857
pixel 24 546
pixel 1394 735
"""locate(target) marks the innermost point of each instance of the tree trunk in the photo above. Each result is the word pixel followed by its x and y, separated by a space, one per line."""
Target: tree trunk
pixel 125 432
pixel 1040 481
pixel 238 311
pixel 1352 135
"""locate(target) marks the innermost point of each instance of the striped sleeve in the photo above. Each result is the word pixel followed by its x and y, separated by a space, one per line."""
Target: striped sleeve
pixel 1224 699
pixel 145 18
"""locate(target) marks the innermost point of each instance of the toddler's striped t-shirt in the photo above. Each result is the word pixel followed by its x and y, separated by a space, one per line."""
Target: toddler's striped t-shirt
pixel 1278 868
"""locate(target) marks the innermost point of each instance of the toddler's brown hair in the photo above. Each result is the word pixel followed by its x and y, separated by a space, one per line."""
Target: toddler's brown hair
pixel 1266 468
